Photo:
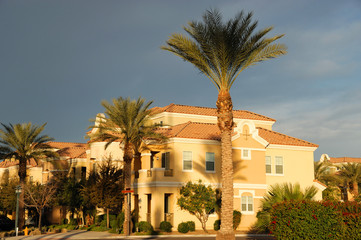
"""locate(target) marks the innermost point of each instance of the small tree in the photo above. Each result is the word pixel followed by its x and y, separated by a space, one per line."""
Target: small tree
pixel 199 200
pixel 106 192
pixel 8 196
pixel 39 196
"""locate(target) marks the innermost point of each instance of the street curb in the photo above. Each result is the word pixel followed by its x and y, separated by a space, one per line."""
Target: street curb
pixel 183 236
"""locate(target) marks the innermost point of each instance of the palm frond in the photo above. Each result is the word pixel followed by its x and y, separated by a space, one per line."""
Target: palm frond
pixel 222 50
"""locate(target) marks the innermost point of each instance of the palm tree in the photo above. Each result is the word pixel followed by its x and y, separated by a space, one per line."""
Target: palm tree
pixel 279 193
pixel 24 142
pixel 286 192
pixel 221 51
pixel 126 121
pixel 351 173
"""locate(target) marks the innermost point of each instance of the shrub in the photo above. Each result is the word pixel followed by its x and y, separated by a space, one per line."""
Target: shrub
pixel 120 221
pixel 114 224
pixel 183 227
pixel 145 227
pixel 73 221
pixel 103 223
pixel 192 226
pixel 165 226
pixel 217 225
pixel 63 221
pixel 236 219
pixel 306 220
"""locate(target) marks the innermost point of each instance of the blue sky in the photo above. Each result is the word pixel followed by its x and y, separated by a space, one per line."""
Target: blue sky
pixel 60 59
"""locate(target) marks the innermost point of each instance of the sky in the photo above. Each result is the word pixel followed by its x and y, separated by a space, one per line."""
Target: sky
pixel 60 58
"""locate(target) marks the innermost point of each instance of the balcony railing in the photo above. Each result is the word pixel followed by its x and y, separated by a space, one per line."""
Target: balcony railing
pixel 168 173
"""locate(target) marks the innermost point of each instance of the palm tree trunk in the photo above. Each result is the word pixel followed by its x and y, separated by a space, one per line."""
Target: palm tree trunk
pixel 128 155
pixel 225 124
pixel 22 179
pixel 355 189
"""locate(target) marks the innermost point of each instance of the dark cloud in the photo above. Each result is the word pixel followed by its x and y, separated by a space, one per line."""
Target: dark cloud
pixel 59 59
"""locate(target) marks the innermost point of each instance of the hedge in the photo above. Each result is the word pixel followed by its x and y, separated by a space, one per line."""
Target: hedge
pixel 316 220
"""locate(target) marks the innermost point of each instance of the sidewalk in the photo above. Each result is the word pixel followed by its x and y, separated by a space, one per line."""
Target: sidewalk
pixel 83 235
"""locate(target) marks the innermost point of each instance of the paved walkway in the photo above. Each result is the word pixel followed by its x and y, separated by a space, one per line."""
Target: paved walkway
pixel 83 235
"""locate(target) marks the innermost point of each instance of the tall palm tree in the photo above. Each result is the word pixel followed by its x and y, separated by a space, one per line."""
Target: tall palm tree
pixel 221 51
pixel 351 173
pixel 126 121
pixel 24 142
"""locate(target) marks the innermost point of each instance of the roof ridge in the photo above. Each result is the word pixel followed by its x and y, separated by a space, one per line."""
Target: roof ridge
pixel 65 142
pixel 183 127
pixel 256 114
pixel 286 135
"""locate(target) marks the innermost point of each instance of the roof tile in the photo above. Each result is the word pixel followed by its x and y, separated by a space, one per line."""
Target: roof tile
pixel 177 108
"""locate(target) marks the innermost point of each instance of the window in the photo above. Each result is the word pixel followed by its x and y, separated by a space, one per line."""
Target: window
pixel 247 204
pixel 166 160
pixel 187 161
pixel 279 165
pixel 268 164
pixel 210 162
pixel 246 154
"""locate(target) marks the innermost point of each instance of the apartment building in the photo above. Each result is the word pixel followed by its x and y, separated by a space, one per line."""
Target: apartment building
pixel 261 157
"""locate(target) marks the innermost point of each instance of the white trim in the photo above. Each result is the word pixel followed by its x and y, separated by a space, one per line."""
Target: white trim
pixel 75 160
pixel 187 170
pixel 252 149
pixel 275 175
pixel 195 141
pixel 146 154
pixel 253 192
pixel 249 186
pixel 157 184
pixel 319 186
pixel 291 147
pixel 207 117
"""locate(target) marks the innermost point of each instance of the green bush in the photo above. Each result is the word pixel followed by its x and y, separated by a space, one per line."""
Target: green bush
pixel 120 221
pixel 103 223
pixel 63 221
pixel 192 226
pixel 114 224
pixel 145 227
pixel 217 225
pixel 306 220
pixel 236 219
pixel 165 226
pixel 73 221
pixel 183 227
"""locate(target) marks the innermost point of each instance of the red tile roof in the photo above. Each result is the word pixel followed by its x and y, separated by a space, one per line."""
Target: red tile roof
pixel 345 160
pixel 66 149
pixel 177 108
pixel 281 139
pixel 210 131
pixel 69 149
pixel 193 130
pixel 9 163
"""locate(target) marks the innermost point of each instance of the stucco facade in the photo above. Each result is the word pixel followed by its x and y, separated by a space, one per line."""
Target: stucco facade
pixel 261 158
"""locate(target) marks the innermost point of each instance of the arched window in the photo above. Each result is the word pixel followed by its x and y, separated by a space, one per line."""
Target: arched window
pixel 247 202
